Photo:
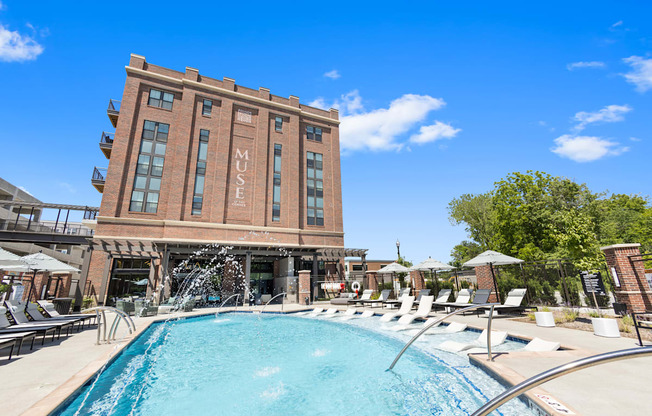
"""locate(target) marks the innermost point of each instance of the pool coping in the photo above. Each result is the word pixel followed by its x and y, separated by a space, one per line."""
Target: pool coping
pixel 66 392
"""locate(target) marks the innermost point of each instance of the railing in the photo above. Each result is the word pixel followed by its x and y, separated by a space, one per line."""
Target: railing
pixel 231 297
pixel 100 312
pixel 114 106
pixel 556 372
pixel 27 216
pixel 107 138
pixel 440 320
pixel 270 301
pixel 99 174
pixel 90 213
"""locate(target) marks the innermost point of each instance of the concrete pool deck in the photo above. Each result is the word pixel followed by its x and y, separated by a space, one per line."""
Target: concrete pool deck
pixel 41 379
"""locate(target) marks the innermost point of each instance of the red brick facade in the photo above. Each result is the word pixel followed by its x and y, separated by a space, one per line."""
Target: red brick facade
pixel 237 197
pixel 304 286
pixel 486 281
pixel 418 282
pixel 634 289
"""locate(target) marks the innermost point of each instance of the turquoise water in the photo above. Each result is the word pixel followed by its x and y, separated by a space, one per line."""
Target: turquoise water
pixel 246 364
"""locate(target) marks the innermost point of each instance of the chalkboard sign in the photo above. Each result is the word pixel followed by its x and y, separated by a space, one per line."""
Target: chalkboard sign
pixel 592 283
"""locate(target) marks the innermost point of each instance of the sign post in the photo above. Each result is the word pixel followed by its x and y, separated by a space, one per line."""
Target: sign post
pixel 592 283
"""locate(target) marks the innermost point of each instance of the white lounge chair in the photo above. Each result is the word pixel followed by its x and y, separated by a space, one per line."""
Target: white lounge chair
pixel 316 311
pixel 512 303
pixel 6 328
pixel 425 306
pixel 366 295
pixel 51 311
pixel 406 307
pixel 540 345
pixel 329 312
pixel 32 310
pixel 348 312
pixel 463 299
pixel 479 345
pixel 17 311
pixel 403 323
pixel 365 314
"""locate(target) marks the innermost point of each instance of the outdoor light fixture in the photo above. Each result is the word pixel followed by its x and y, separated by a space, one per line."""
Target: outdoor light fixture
pixel 398 248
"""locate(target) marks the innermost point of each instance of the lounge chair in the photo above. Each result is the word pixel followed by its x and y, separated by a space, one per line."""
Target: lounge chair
pixel 383 297
pixel 422 293
pixel 462 300
pixel 8 343
pixel 365 314
pixel 481 297
pixel 425 306
pixel 479 345
pixel 21 337
pixel 17 312
pixel 539 345
pixel 32 310
pixel 406 307
pixel 402 294
pixel 511 304
pixel 7 329
pixel 51 311
pixel 366 295
pixel 349 312
pixel 329 312
pixel 403 323
pixel 315 311
pixel 451 328
pixel 343 299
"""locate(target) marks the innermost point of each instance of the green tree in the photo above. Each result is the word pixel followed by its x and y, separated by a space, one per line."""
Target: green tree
pixel 464 252
pixel 477 213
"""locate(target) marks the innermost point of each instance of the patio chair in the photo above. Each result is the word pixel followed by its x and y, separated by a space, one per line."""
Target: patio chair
pixel 343 299
pixel 365 314
pixel 8 343
pixel 21 337
pixel 479 345
pixel 383 297
pixel 481 297
pixel 425 306
pixel 366 295
pixel 426 292
pixel 512 303
pixel 6 328
pixel 403 323
pixel 51 311
pixel 330 312
pixel 539 345
pixel 406 307
pixel 31 309
pixel 462 300
pixel 349 312
pixel 402 294
pixel 17 311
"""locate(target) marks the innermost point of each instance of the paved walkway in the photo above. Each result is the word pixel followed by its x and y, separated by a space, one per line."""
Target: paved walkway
pixel 45 376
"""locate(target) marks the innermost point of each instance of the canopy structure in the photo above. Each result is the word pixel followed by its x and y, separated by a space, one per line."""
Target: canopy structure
pixel 10 261
pixel 432 266
pixel 44 263
pixel 492 258
pixel 393 268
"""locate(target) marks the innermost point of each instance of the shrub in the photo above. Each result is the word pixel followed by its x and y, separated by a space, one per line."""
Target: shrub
pixel 531 316
pixel 568 315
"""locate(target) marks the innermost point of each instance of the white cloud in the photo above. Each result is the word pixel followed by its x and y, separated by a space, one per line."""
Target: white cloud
pixel 585 64
pixel 635 139
pixel 15 47
pixel 586 148
pixel 434 132
pixel 609 114
pixel 334 74
pixel 641 73
pixel 347 104
pixel 68 187
pixel 381 129
pixel 2 6
pixel 618 23
pixel 22 188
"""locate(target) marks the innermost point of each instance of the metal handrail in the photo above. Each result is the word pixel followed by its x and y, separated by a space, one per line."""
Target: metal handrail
pixel 440 320
pixel 107 138
pixel 114 105
pixel 101 322
pixel 556 372
pixel 269 301
pixel 99 174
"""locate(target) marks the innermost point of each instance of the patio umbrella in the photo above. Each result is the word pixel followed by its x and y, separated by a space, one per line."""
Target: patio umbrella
pixel 393 269
pixel 492 258
pixel 39 262
pixel 432 266
pixel 10 261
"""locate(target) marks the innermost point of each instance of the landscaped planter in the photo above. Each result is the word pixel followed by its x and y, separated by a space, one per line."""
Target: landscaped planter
pixel 544 319
pixel 605 327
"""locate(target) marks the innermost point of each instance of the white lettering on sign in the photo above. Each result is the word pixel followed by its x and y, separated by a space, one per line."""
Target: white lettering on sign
pixel 554 403
pixel 241 165
pixel 244 115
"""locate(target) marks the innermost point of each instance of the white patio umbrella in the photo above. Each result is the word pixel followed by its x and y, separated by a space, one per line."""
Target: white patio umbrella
pixel 10 261
pixel 492 258
pixel 432 266
pixel 392 269
pixel 39 262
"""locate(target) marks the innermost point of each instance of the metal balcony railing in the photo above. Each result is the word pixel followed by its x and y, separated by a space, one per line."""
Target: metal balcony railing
pixel 106 143
pixel 113 111
pixel 98 178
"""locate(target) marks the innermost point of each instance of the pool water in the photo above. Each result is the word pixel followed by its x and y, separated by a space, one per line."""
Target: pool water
pixel 252 364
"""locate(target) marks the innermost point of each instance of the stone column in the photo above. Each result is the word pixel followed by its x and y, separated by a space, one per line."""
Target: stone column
pixel 631 287
pixel 304 286
pixel 486 281
pixel 371 281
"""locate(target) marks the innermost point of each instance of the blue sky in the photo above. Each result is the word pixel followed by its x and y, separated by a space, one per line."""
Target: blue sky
pixel 437 99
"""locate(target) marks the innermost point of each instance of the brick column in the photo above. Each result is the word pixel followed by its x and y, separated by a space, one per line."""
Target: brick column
pixel 304 286
pixel 417 282
pixel 371 281
pixel 486 281
pixel 634 289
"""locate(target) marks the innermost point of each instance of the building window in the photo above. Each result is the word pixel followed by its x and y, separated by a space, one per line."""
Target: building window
pixel 149 168
pixel 160 99
pixel 202 157
pixel 315 189
pixel 278 124
pixel 357 267
pixel 313 133
pixel 207 108
pixel 276 194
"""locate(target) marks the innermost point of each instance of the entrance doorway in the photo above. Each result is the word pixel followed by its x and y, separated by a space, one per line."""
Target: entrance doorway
pixel 261 281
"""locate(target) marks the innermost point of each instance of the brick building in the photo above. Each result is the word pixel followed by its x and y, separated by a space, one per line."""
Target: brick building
pixel 196 160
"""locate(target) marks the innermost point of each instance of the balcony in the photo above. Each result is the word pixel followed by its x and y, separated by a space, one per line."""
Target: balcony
pixel 113 112
pixel 106 144
pixel 98 179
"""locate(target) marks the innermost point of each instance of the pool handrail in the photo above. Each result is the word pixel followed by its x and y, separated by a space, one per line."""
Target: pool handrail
pixel 440 320
pixel 101 322
pixel 269 301
pixel 559 371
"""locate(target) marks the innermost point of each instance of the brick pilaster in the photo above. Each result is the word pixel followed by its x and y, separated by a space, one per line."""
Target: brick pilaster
pixel 634 289
pixel 486 281
pixel 417 282
pixel 371 281
pixel 304 286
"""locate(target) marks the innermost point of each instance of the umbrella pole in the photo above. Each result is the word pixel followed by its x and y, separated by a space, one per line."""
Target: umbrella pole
pixel 491 266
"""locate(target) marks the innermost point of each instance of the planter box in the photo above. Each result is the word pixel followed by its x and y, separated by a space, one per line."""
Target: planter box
pixel 544 319
pixel 605 327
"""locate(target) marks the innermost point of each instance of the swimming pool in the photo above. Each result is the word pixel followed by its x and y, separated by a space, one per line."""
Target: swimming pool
pixel 238 363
